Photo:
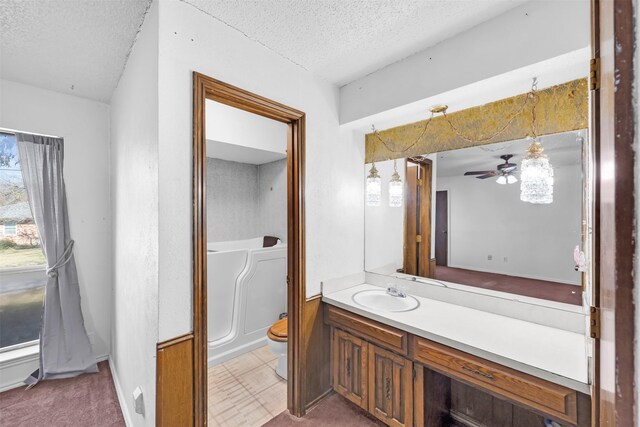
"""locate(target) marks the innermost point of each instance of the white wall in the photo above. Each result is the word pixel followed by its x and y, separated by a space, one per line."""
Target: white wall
pixel 486 218
pixel 239 127
pixel 525 35
pixel 192 41
pixel 134 184
pixel 84 124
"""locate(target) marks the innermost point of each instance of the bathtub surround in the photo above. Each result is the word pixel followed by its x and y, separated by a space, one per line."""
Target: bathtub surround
pixel 246 292
pixel 245 201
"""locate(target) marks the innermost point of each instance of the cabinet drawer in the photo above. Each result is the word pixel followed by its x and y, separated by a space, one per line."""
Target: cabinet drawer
pixel 381 334
pixel 519 387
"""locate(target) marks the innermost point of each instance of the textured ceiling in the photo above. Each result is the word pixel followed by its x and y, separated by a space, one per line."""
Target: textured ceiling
pixel 77 47
pixel 343 40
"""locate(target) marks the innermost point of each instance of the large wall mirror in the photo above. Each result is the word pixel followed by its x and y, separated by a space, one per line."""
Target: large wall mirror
pixel 480 216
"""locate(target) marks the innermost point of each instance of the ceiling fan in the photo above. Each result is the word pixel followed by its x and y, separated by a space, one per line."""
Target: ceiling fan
pixel 504 171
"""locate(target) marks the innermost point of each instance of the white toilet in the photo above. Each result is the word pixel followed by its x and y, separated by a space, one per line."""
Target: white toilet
pixel 277 340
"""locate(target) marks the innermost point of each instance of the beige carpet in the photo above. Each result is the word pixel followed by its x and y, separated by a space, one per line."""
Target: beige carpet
pixel 332 411
pixel 87 400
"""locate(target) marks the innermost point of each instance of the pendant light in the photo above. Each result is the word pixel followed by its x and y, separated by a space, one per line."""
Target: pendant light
pixel 536 172
pixel 395 188
pixel 536 176
pixel 374 186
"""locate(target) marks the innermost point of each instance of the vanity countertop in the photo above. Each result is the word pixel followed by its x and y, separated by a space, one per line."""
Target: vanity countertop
pixel 553 354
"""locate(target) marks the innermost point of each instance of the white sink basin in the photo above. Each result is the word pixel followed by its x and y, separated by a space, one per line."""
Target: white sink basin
pixel 381 300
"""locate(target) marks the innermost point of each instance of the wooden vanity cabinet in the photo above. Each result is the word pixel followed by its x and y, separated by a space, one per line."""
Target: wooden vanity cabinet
pixel 349 367
pixel 390 387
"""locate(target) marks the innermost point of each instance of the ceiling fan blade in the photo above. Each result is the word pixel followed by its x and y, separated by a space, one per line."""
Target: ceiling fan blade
pixel 488 175
pixel 477 173
pixel 510 169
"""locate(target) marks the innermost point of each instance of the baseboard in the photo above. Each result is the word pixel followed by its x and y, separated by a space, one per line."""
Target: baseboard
pixel 121 397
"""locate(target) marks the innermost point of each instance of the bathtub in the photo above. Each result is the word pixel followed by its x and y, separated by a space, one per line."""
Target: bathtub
pixel 246 291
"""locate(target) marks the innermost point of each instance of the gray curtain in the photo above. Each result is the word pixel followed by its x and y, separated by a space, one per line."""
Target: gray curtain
pixel 65 350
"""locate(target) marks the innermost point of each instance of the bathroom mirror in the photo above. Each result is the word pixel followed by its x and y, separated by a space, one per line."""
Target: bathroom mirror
pixel 482 217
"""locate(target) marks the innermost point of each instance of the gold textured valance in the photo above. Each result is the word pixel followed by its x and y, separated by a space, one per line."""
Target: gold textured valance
pixel 560 108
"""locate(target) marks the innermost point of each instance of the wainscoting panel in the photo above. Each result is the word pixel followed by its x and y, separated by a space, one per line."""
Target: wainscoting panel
pixel 174 382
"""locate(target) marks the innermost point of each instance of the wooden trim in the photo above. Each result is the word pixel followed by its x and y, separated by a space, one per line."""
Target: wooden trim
pixel 165 344
pixel 199 237
pixel 614 32
pixel 594 143
pixel 174 382
pixel 208 88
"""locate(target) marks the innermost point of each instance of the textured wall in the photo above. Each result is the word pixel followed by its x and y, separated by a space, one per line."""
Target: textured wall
pixel 246 201
pixel 232 200
pixel 272 184
pixel 191 40
pixel 135 208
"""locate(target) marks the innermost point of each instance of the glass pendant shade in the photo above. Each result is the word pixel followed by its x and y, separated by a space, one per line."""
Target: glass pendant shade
pixel 501 179
pixel 536 177
pixel 395 188
pixel 374 187
pixel 511 179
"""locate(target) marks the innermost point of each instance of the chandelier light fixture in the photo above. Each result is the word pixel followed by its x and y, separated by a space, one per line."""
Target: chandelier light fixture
pixel 395 188
pixel 536 176
pixel 374 186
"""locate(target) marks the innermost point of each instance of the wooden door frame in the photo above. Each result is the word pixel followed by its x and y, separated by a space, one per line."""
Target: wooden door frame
pixel 206 88
pixel 423 221
pixel 614 134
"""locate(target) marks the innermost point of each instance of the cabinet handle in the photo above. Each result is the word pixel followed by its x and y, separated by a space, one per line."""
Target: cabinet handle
pixel 387 388
pixel 348 367
pixel 478 372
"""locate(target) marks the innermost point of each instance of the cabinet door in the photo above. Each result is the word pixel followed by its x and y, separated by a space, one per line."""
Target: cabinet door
pixel 390 387
pixel 349 365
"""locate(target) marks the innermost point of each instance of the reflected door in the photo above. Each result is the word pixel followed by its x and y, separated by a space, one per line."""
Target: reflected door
pixel 417 228
pixel 442 228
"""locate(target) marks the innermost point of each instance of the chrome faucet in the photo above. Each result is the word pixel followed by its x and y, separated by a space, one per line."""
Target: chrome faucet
pixel 395 291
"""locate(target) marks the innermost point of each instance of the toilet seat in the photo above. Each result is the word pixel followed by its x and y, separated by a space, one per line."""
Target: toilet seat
pixel 279 331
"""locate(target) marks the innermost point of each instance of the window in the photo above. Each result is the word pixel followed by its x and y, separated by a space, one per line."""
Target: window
pixel 10 228
pixel 22 263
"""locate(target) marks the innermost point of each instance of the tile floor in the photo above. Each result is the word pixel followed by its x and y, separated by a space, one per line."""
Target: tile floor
pixel 246 391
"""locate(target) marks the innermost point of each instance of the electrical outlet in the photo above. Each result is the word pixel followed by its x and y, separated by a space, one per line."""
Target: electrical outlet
pixel 489 257
pixel 138 401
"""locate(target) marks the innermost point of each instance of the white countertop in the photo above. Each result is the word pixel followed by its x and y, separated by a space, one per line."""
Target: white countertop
pixel 553 354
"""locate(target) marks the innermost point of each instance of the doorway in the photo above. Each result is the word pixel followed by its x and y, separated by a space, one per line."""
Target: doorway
pixel 442 228
pixel 209 89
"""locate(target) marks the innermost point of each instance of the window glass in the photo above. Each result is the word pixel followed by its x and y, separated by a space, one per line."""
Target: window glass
pixel 10 228
pixel 22 263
